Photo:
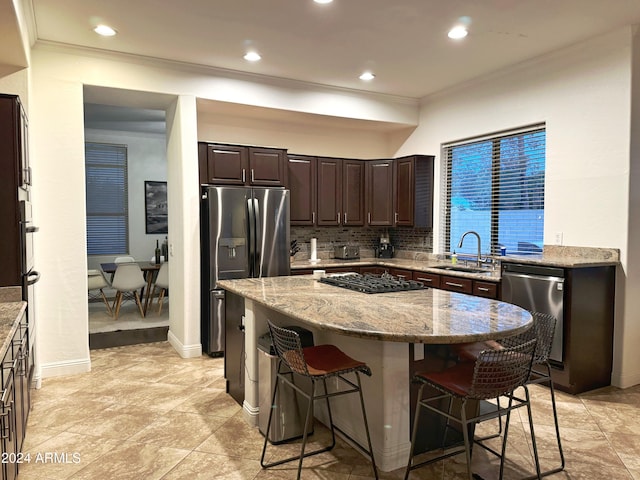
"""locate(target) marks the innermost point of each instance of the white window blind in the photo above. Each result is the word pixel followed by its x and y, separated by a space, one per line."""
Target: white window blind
pixel 494 185
pixel 107 199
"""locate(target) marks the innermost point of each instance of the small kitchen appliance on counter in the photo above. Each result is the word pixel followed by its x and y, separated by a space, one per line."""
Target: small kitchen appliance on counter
pixel 347 252
pixel 384 248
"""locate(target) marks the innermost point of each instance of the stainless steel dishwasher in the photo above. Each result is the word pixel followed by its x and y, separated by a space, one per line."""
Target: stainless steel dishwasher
pixel 539 289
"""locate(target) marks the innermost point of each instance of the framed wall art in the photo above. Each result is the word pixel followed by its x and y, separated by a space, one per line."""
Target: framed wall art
pixel 155 207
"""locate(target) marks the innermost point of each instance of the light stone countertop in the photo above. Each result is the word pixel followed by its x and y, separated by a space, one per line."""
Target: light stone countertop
pixel 11 310
pixel 553 256
pixel 419 316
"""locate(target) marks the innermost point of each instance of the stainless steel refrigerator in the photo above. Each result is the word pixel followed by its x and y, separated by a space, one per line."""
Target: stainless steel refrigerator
pixel 244 234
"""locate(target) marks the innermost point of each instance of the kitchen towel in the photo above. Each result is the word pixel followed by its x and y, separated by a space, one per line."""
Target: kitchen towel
pixel 314 249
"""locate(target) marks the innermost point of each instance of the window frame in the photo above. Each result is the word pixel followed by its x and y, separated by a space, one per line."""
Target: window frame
pixel 115 151
pixel 496 173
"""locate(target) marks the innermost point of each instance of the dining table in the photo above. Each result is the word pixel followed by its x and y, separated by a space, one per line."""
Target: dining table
pixel 148 270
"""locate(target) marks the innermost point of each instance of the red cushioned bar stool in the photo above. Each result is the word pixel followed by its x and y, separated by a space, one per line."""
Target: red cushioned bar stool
pixel 495 373
pixel 543 330
pixel 317 363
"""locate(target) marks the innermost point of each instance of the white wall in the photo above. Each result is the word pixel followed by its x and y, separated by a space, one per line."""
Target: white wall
pixel 58 79
pixel 583 95
pixel 146 160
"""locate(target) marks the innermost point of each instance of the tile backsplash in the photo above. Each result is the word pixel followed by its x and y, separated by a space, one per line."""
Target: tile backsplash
pixel 367 238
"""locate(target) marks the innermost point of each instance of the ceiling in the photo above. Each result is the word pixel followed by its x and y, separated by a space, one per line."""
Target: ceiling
pixel 404 42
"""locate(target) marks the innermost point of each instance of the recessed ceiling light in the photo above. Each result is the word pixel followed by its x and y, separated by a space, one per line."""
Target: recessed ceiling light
pixel 367 76
pixel 252 56
pixel 458 32
pixel 323 1
pixel 104 30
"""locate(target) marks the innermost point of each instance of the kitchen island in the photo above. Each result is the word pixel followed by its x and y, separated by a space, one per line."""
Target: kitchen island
pixel 388 331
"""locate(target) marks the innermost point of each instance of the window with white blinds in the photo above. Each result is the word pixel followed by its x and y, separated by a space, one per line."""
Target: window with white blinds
pixel 494 185
pixel 107 199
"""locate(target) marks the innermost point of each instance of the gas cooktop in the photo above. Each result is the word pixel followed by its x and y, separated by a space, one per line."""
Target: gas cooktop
pixel 369 283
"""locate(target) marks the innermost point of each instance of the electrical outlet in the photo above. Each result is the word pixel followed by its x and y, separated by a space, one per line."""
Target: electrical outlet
pixel 558 240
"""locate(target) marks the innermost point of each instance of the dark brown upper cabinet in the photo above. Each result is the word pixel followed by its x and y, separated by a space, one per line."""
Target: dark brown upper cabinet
pixel 239 165
pixel 380 193
pixel 329 191
pixel 353 181
pixel 340 196
pixel 414 191
pixel 302 171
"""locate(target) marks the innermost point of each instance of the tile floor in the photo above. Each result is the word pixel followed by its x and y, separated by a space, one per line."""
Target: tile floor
pixel 129 317
pixel 144 413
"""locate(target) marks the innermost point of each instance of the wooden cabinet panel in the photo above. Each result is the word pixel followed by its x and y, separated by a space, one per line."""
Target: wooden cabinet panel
pixel 302 184
pixel 227 164
pixel 266 167
pixel 353 192
pixel 379 191
pixel 401 273
pixel 239 165
pixel 456 284
pixel 373 270
pixel 329 204
pixel 429 279
pixel 14 173
pixel 414 191
pixel 485 289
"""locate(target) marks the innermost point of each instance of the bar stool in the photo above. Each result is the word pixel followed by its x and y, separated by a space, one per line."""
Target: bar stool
pixel 495 373
pixel 317 363
pixel 543 329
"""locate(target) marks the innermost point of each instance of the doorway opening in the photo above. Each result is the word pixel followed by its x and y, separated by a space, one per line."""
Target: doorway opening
pixel 125 215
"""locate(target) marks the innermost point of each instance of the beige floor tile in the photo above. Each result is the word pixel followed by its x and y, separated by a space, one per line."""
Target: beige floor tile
pixel 133 461
pixel 205 466
pixel 179 429
pixel 145 413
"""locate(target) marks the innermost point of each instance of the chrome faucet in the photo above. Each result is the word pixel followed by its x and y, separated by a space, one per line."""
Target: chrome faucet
pixel 479 249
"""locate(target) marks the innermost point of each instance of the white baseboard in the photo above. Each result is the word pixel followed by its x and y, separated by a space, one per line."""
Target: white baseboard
pixel 625 381
pixel 185 351
pixel 70 367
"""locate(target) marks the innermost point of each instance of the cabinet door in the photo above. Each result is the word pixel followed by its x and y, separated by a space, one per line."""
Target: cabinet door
pixel 302 184
pixel 353 192
pixel 414 191
pixel 8 419
pixel 329 191
pixel 267 167
pixel 405 194
pixel 401 273
pixel 227 164
pixel 372 270
pixel 380 193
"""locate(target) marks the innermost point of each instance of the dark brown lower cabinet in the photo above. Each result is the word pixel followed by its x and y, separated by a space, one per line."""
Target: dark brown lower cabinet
pixel 14 400
pixel 588 330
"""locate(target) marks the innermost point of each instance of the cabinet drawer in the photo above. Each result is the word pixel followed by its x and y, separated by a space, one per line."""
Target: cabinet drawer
pixel 401 273
pixel 485 289
pixel 372 270
pixel 429 279
pixel 456 284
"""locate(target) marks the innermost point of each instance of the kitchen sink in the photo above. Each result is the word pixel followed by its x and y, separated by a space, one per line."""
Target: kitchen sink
pixel 455 268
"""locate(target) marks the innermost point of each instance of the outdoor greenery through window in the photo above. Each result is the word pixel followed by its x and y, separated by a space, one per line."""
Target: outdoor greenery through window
pixel 107 199
pixel 495 186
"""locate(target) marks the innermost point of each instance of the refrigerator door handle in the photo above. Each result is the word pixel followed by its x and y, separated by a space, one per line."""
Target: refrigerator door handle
pixel 258 238
pixel 251 219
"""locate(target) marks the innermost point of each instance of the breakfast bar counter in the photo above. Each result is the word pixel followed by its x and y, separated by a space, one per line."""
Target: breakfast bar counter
pixel 394 333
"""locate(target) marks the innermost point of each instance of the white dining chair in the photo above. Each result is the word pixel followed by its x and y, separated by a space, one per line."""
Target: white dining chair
pixel 96 281
pixel 128 279
pixel 126 259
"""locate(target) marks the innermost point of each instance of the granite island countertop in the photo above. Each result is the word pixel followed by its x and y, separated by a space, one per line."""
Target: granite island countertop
pixel 418 316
